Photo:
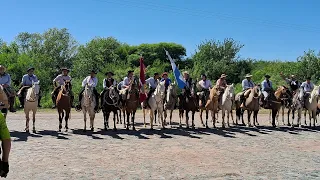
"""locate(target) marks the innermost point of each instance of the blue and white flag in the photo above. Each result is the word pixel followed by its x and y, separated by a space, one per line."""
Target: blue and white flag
pixel 180 81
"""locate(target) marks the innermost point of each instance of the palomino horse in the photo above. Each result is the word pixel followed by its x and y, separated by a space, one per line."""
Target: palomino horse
pixel 132 103
pixel 251 104
pixel 110 104
pixel 297 105
pixel 156 104
pixel 226 103
pixel 88 103
pixel 286 103
pixel 171 100
pixel 311 105
pixel 4 102
pixel 31 104
pixel 189 103
pixel 63 104
pixel 213 104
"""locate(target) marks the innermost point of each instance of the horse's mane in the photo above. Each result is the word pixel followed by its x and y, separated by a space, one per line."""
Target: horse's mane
pixel 315 91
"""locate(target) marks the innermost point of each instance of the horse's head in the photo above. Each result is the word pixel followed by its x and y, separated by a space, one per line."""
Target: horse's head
pixel 36 87
pixel 67 85
pixel 256 91
pixel 113 94
pixel 230 91
pixel 281 91
pixel 172 90
pixel 88 91
pixel 215 91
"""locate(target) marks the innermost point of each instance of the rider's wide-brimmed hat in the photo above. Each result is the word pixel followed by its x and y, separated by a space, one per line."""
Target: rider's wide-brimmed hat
pixel 165 73
pixel 223 76
pixel 30 68
pixel 65 69
pixel 130 71
pixel 93 71
pixel 2 67
pixel 112 74
pixel 248 75
pixel 267 76
pixel 186 72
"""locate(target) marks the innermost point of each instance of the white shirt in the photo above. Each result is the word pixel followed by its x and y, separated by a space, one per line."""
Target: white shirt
pixel 105 82
pixel 205 84
pixel 152 83
pixel 60 79
pixel 307 87
pixel 126 81
pixel 90 80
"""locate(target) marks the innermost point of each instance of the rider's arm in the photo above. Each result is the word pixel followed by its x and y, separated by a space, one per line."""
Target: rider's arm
pixel 8 82
pixel 84 82
pixel 95 82
pixel 244 84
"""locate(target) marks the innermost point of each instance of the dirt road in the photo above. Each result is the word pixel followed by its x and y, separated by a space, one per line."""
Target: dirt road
pixel 233 153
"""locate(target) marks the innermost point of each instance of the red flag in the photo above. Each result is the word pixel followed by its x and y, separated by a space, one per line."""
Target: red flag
pixel 143 95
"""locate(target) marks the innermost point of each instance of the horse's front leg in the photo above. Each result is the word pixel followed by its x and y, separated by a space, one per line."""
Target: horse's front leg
pixel 214 120
pixel 289 111
pixel 133 116
pixel 151 119
pixel 155 116
pixel 66 119
pixel 128 116
pixel 171 117
pixel 85 121
pixel 160 114
pixel 232 117
pixel 310 117
pixel 60 121
pixel 34 121
pixel 115 113
pixel 305 116
pixel 92 116
pixel 144 117
pixel 228 118
pixel 292 119
pixel 201 111
pixel 223 117
pixel 249 116
pixel 27 121
pixel 187 119
pixel 283 107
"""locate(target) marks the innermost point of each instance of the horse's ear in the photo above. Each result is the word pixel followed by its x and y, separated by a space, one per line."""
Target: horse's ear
pixel 232 84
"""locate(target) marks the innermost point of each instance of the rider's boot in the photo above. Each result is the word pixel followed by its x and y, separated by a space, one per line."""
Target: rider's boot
pixel 21 99
pixel 12 104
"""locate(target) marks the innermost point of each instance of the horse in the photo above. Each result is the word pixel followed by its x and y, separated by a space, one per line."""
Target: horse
pixel 87 105
pixel 204 95
pixel 131 103
pixel 63 104
pixel 297 105
pixel 311 105
pixel 171 100
pixel 31 104
pixel 251 104
pixel 286 103
pixel 4 101
pixel 110 104
pixel 189 103
pixel 212 104
pixel 226 103
pixel 274 103
pixel 156 104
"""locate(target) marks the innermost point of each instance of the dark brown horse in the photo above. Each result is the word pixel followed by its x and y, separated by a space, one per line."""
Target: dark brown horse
pixel 131 103
pixel 63 104
pixel 189 102
pixel 110 104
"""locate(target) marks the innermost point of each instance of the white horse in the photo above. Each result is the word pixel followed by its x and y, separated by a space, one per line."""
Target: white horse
pixel 88 103
pixel 171 101
pixel 156 104
pixel 311 105
pixel 297 105
pixel 226 103
pixel 31 104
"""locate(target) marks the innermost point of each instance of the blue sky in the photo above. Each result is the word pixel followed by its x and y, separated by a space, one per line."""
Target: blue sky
pixel 270 30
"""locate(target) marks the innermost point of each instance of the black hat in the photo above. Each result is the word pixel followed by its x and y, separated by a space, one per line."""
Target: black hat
pixel 112 74
pixel 131 71
pixel 308 78
pixel 155 74
pixel 203 75
pixel 266 76
pixel 29 69
pixel 64 68
pixel 93 71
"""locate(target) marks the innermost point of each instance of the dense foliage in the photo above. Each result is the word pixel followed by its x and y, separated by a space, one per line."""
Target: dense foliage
pixel 55 48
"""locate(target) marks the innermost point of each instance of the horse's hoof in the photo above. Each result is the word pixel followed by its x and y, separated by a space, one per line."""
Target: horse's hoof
pixel 223 127
pixel 193 127
pixel 289 124
pixel 84 130
pixel 133 128
pixel 66 130
pixel 59 130
pixel 248 125
pixel 207 126
pixel 92 129
pixel 127 128
pixel 34 131
pixel 180 126
pixel 27 130
pixel 114 129
pixel 187 127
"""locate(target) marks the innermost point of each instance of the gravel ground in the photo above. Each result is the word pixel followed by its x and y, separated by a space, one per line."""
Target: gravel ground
pixel 175 153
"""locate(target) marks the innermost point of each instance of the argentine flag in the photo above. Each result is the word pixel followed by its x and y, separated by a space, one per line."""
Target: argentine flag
pixel 180 81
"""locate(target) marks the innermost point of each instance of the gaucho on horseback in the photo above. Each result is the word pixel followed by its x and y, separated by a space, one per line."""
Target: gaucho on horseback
pixel 267 90
pixel 221 84
pixel 58 82
pixel 152 82
pixel 204 85
pixel 5 82
pixel 27 81
pixel 246 85
pixel 93 81
pixel 107 82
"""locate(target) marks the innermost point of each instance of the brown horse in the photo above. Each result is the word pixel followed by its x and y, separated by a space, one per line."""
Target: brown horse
pixel 189 102
pixel 132 103
pixel 212 104
pixel 4 102
pixel 251 104
pixel 274 102
pixel 63 104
